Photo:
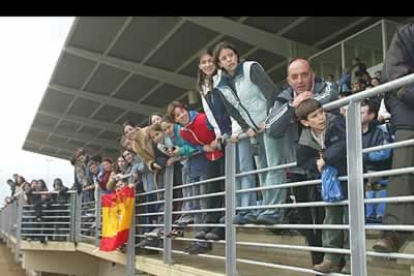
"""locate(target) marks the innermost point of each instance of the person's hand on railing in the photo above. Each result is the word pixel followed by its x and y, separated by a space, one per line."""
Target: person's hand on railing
pixel 171 161
pixel 234 138
pixel 208 148
pixel 251 132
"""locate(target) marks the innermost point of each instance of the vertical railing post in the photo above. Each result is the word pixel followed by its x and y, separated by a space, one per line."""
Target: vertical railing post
pixel 20 203
pixel 230 186
pixel 78 217
pixel 356 190
pixel 168 207
pixel 72 217
pixel 130 263
pixel 98 212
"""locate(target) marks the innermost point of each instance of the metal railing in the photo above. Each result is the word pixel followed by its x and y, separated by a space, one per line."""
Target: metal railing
pixel 154 211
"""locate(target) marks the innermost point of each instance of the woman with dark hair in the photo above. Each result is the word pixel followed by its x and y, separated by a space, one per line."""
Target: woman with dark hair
pixel 248 93
pixel 223 124
pixel 60 198
pixel 19 184
pixel 155 118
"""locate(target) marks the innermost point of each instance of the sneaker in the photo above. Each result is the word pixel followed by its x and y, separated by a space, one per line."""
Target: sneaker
pixel 267 220
pixel 212 236
pixel 239 219
pixel 197 248
pixel 201 235
pixel 388 244
pixel 184 220
pixel 326 267
pixel 155 234
pixel 148 242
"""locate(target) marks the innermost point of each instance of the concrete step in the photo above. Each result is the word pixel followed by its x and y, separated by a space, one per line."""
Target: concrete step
pixel 288 257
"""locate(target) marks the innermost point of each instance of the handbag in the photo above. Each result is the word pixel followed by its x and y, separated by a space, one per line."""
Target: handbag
pixel 331 187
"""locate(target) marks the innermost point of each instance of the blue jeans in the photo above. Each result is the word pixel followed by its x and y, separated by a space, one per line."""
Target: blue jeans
pixel 244 163
pixel 271 154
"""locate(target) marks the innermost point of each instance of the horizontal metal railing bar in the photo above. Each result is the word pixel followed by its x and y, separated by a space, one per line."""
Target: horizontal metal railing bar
pixel 153 248
pixel 88 222
pixel 199 196
pixel 200 211
pixel 151 203
pixel 150 214
pixel 53 205
pixel 280 186
pixel 275 168
pixel 390 172
pixel 46 217
pixel 390 255
pixel 186 239
pixel 87 237
pixel 88 202
pixel 183 212
pixel 52 192
pixel 390 146
pixel 297 247
pixel 45 222
pixel 87 210
pixel 297 205
pixel 151 192
pixel 394 199
pixel 287 267
pixel 197 240
pixel 383 88
pixel 200 182
pixel 298 226
pixel 41 235
pixel 390 227
pixel 200 255
pixel 149 225
pixel 201 225
pixel 341 178
pixel 47 211
pixel 87 229
pixel 35 229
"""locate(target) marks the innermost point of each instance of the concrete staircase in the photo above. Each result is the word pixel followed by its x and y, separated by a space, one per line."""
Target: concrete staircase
pixel 8 267
pixel 288 257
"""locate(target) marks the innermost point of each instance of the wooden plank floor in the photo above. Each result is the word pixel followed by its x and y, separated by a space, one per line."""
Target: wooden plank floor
pixel 7 265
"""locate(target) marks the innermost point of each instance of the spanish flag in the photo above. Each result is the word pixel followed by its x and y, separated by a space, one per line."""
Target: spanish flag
pixel 117 212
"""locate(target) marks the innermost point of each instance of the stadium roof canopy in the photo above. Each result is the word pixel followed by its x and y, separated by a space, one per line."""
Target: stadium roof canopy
pixel 114 69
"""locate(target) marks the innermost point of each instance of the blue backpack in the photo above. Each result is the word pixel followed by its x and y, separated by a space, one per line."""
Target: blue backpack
pixel 331 187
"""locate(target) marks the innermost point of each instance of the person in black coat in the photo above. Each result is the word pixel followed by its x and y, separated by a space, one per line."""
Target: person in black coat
pixel 399 62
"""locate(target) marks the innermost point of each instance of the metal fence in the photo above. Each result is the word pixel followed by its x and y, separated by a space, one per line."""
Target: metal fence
pixel 80 219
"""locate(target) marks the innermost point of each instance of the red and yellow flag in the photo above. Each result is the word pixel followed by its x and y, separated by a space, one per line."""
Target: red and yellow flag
pixel 117 212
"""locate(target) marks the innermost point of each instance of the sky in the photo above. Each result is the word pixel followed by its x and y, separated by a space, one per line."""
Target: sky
pixel 29 50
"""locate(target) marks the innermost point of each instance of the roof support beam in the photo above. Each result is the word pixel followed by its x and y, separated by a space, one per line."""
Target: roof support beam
pixel 84 121
pixel 80 137
pixel 341 31
pixel 138 108
pixel 165 76
pixel 267 41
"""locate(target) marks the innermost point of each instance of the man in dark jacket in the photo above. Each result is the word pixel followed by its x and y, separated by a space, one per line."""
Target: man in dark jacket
pixel 398 63
pixel 323 142
pixel 281 122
